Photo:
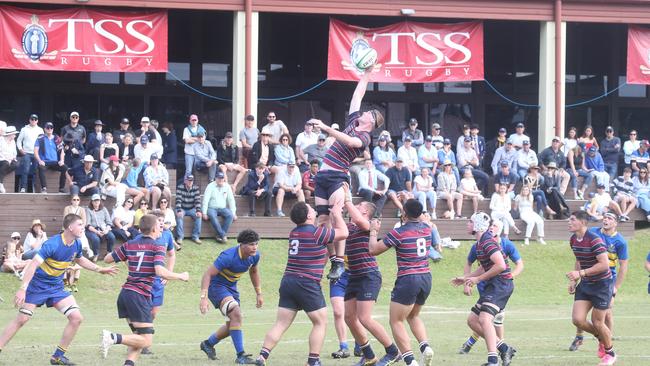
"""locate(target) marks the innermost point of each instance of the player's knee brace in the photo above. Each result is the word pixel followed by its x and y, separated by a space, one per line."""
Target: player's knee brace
pixel 27 312
pixel 499 318
pixel 69 310
pixel 322 210
pixel 227 307
pixel 489 309
pixel 476 309
pixel 144 330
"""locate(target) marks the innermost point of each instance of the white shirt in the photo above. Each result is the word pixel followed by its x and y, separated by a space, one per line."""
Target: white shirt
pixel 526 159
pixel 187 134
pixel 423 152
pixel 568 144
pixel 303 140
pixel 409 156
pixel 628 148
pixel 286 179
pixel 144 154
pixel 419 180
pixel 27 138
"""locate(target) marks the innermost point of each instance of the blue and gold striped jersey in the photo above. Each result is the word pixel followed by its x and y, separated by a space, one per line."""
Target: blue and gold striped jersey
pixel 232 266
pixel 57 257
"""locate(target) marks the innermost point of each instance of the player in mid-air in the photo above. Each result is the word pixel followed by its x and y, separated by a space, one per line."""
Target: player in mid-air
pixel 42 283
pixel 349 144
pixel 412 242
pixel 219 286
pixel 511 252
pixel 300 286
pixel 146 260
pixel 495 271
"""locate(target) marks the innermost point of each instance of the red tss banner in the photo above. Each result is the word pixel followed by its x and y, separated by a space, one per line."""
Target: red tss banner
pixel 82 39
pixel 638 55
pixel 409 52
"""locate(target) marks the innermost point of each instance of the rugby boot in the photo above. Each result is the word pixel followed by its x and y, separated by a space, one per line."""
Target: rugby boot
pixel 209 350
pixel 601 350
pixel 245 359
pixel 388 360
pixel 61 360
pixel 506 357
pixel 366 362
pixel 427 357
pixel 336 270
pixel 607 360
pixel 107 342
pixel 341 353
pixel 464 349
pixel 577 342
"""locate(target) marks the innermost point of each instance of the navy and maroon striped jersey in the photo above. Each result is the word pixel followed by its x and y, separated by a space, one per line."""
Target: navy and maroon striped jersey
pixel 412 242
pixel 308 251
pixel 485 247
pixel 356 249
pixel 586 251
pixel 141 254
pixel 340 156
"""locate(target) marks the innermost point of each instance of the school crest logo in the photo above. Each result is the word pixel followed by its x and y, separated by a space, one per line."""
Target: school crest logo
pixel 34 42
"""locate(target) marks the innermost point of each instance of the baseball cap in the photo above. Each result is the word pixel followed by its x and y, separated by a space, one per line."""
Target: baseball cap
pixel 335 126
pixel 467 138
pixel 600 186
pixel 557 138
pixel 124 121
pixel 95 197
pixel 446 141
pixel 74 114
pixel 189 177
pixel 429 138
pixel 609 128
pixel 145 119
pixel 15 234
pixel 399 159
pixel 291 163
pixel 509 141
pixel 593 148
pixel 99 122
pixel 33 116
pixel 113 158
pixel 520 125
pixel 323 137
pixel 408 138
pixel 228 134
pixel 48 125
pixel 504 163
pixel 153 156
pixel 502 130
pixel 435 126
pixel 413 121
pixel 645 143
pixel 144 139
pixel 219 175
pixel 551 165
pixel 525 142
pixel 250 117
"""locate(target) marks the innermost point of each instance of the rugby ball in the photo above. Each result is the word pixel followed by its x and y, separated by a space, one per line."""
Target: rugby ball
pixel 365 58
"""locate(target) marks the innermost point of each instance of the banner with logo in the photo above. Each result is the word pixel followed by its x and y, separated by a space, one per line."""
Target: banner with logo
pixel 409 52
pixel 82 39
pixel 638 55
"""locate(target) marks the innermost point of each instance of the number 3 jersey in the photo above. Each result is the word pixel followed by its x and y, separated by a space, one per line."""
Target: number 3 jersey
pixel 308 251
pixel 141 254
pixel 412 242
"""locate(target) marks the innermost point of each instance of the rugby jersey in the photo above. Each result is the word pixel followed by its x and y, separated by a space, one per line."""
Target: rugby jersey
pixel 509 250
pixel 308 251
pixel 141 254
pixel 485 247
pixel 57 257
pixel 586 251
pixel 232 266
pixel 356 249
pixel 412 242
pixel 616 247
pixel 340 156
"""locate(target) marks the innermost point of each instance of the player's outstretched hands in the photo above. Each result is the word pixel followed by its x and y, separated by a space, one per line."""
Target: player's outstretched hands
pixel 184 276
pixel 457 281
pixel 467 290
pixel 111 270
pixel 259 301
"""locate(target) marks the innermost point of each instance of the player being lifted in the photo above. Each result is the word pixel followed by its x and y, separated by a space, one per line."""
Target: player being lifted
pixel 42 283
pixel 300 286
pixel 494 270
pixel 350 143
pixel 145 259
pixel 219 286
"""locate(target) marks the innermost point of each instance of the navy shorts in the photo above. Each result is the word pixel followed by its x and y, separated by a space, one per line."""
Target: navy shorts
pixel 328 181
pixel 411 289
pixel 157 292
pixel 134 306
pixel 39 293
pixel 599 293
pixel 337 289
pixel 497 291
pixel 286 194
pixel 217 293
pixel 300 293
pixel 365 287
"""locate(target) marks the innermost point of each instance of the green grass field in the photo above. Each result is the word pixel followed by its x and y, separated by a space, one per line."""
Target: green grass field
pixel 537 323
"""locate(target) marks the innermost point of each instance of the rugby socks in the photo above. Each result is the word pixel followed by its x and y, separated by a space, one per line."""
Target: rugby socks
pixel 392 350
pixel 313 359
pixel 368 354
pixel 408 357
pixel 60 351
pixel 502 346
pixel 610 351
pixel 423 346
pixel 472 340
pixel 335 258
pixel 237 339
pixel 117 338
pixel 212 340
pixel 344 345
pixel 357 347
pixel 265 353
pixel 493 358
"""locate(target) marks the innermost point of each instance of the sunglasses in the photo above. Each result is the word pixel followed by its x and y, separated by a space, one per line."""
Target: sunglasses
pixel 642 172
pixel 131 202
pixel 143 204
pixel 15 237
pixel 284 140
pixel 270 117
pixel 48 128
pixel 163 201
pixel 75 199
pixel 75 117
pixel 33 119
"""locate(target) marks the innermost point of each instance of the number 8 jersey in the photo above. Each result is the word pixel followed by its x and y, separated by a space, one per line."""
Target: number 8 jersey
pixel 308 251
pixel 412 242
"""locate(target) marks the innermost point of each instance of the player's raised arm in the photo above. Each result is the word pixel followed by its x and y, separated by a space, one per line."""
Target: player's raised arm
pixel 343 138
pixel 166 274
pixel 89 265
pixel 359 92
pixel 338 224
pixel 375 245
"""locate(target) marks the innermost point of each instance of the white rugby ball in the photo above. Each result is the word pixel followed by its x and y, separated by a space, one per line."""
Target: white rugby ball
pixel 365 58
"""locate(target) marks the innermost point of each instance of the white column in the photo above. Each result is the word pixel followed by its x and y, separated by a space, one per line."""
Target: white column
pixel 239 69
pixel 546 126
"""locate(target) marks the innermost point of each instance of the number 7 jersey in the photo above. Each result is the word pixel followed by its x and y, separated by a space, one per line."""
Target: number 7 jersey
pixel 308 251
pixel 141 254
pixel 412 242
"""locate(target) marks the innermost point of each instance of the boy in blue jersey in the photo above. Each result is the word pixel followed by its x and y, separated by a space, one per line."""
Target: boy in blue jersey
pixel 617 254
pixel 511 252
pixel 219 286
pixel 412 242
pixel 337 296
pixel 494 296
pixel 43 284
pixel 300 286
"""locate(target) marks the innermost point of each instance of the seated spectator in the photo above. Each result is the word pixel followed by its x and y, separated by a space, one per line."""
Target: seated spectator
pixel 623 190
pixel 156 180
pixel 369 188
pixel 409 155
pixel 629 147
pixel 169 215
pixel 288 183
pixel 258 187
pixel 142 210
pixel 492 146
pixel 416 135
pixel 83 180
pixel 570 141
pixel 524 203
pixel 383 156
pixel 461 139
pixel 470 190
pixel 228 158
pixel 400 188
pixel 595 166
pixel 107 149
pixel 505 176
pixel 34 239
pixel 49 156
pixel 125 128
pixel 95 139
pixel 316 151
pixel 551 188
pixel 500 205
pixel 219 201
pixel 468 159
pixel 576 159
pixel 75 208
pixel 448 190
pixel 262 151
pixel 640 157
pixel 8 153
pixel 135 185
pixel 145 149
pixel 423 190
pixel 283 153
pixel 188 203
pixel 445 154
pixel 170 147
pixel 111 181
pixel 248 136
pixel 478 142
pixel 436 137
pixel 123 220
pixel 127 149
pixel 554 154
pixel 73 151
pixel 610 147
pixel 642 191
pixel 518 137
pixel 146 129
pixel 428 155
pixel 308 183
pixel 205 157
pixel 506 153
pixel 535 182
pixel 601 204
pixel 306 138
pixel 99 226
pixel 11 258
pixel 525 159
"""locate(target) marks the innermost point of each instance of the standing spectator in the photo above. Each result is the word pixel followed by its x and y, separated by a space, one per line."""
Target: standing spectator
pixel 48 155
pixel 399 189
pixel 525 158
pixel 263 151
pixel 205 157
pixel 570 141
pixel 283 153
pixel 416 135
pixel 306 138
pixel 576 160
pixel 190 136
pixel 25 144
pixel 136 189
pixel 428 155
pixel 595 166
pixel 34 239
pixel 276 127
pixel 500 205
pixel 188 203
pixel 248 137
pixel 468 159
pixel 308 183
pixel 219 201
pixel 507 153
pixel 258 187
pixel 127 149
pixel 170 149
pixel 640 157
pixel 623 189
pixel 95 139
pixel 447 154
pixel 77 131
pixel 73 151
pixel 630 146
pixel 122 131
pixel 317 151
pixel 492 146
pixel 383 156
pixel 524 203
pixel 610 147
pixel 448 190
pixel 110 182
pixel 123 219
pixel 145 149
pixel 554 154
pixel 107 149
pixel 83 180
pixel 288 183
pixel 505 176
pixel 369 187
pixel 424 190
pixel 519 137
pixel 642 191
pixel 551 188
pixel 156 180
pixel 98 226
pixel 535 182
pixel 461 139
pixel 436 137
pixel 478 142
pixel 587 139
pixel 469 189
pixel 228 158
pixel 8 159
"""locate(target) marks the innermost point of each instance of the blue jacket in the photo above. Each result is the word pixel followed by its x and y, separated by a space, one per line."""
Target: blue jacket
pixel 92 144
pixel 596 162
pixel 251 183
pixel 170 148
